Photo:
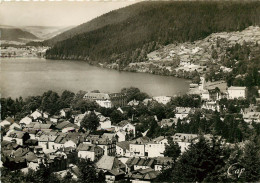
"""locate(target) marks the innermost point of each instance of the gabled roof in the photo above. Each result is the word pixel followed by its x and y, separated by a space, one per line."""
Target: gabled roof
pixel 87 147
pixel 16 134
pixel 163 160
pixel 140 161
pixel 141 140
pixel 65 124
pixel 97 96
pixel 124 145
pixel 21 152
pixel 109 163
pixel 123 123
pixel 9 119
pixel 108 135
pixel 236 88
pixel 116 172
pixel 61 138
pixel 143 174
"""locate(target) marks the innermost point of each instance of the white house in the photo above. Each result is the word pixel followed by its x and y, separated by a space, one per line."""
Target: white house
pixel 104 122
pixel 79 118
pixel 64 112
pixel 122 148
pixel 182 112
pixel 121 135
pixel 18 137
pixel 15 126
pixel 156 147
pixel 102 99
pixel 162 99
pixel 54 119
pixel 237 92
pixel 25 121
pixel 104 103
pixel 162 163
pixel 36 114
pixel 137 147
pixel 46 115
pixel 70 143
pixel 205 95
pixel 89 151
pixel 125 126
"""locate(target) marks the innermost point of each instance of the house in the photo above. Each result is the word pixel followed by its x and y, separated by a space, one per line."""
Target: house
pixel 113 168
pixel 54 119
pixel 46 139
pixel 184 140
pixel 250 117
pixel 156 147
pixel 89 151
pixel 114 175
pixel 15 126
pixel 237 92
pixel 46 115
pixel 36 114
pixel 18 137
pixel 66 124
pixel 162 163
pixel 104 122
pixel 121 135
pixel 64 112
pixel 137 147
pixel 142 175
pixel 139 163
pixel 162 99
pixel 32 132
pixel 109 146
pixel 71 143
pixel 167 122
pixel 78 118
pixel 25 121
pixel 205 95
pixel 182 112
pixel 107 163
pixel 133 103
pixel 211 105
pixel 123 148
pixel 147 101
pixel 125 126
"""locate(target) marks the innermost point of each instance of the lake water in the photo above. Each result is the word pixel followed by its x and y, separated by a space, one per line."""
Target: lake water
pixel 33 76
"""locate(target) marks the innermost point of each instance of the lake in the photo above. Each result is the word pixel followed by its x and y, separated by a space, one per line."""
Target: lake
pixel 33 76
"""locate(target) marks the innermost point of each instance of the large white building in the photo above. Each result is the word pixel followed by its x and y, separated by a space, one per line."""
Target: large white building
pixel 237 92
pixel 156 147
pixel 162 99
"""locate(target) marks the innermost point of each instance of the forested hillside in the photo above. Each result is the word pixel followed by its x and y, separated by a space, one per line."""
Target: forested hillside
pixel 15 34
pixel 153 25
pixel 99 22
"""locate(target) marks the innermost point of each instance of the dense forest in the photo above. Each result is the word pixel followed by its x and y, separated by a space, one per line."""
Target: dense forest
pixel 153 25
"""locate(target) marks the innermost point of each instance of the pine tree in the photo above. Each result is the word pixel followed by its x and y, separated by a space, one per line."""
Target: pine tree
pixel 251 161
pixel 198 162
pixel 172 150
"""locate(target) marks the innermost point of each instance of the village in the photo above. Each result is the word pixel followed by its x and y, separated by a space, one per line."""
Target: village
pixel 119 150
pixel 22 51
pixel 185 59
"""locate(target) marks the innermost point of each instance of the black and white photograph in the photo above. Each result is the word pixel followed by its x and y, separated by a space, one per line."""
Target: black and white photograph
pixel 129 91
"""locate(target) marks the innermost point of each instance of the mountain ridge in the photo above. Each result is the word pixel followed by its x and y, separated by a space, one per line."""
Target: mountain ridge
pixel 156 24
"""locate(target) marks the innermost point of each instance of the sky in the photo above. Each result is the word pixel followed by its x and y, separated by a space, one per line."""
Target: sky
pixel 50 13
